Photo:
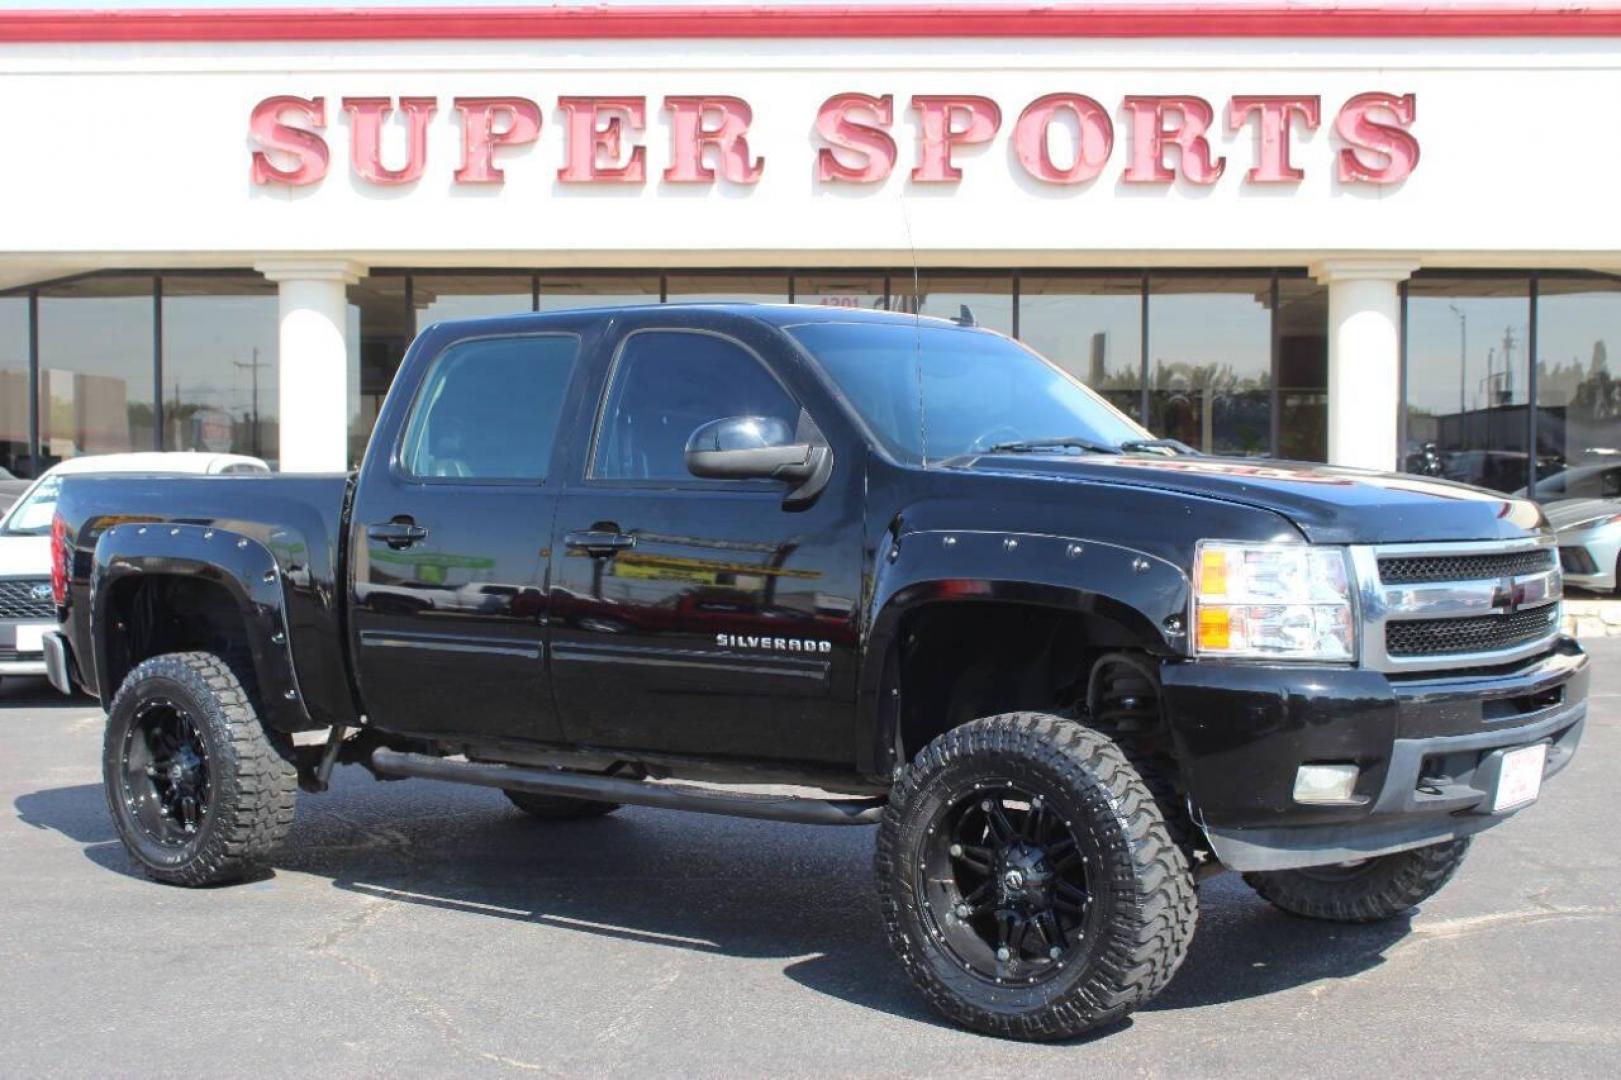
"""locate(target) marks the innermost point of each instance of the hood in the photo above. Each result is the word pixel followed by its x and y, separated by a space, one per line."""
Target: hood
pixel 25 556
pixel 1330 505
pixel 1568 512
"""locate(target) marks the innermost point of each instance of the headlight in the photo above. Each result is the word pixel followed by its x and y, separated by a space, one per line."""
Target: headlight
pixel 1279 601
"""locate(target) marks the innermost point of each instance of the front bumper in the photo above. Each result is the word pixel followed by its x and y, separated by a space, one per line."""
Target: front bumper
pixel 1427 748
pixel 1589 559
pixel 20 651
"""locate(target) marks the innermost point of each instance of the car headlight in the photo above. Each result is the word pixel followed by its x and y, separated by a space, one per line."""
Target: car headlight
pixel 1275 601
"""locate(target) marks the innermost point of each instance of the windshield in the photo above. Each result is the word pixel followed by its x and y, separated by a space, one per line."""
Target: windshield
pixel 32 514
pixel 979 390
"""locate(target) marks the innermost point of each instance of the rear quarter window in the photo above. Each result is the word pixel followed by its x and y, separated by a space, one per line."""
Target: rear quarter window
pixel 489 409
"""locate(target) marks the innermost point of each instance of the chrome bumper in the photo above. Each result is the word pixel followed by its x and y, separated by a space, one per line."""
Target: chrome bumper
pixel 57 661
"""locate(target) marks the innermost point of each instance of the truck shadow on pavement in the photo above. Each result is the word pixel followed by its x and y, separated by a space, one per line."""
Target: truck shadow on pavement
pixel 30 692
pixel 688 881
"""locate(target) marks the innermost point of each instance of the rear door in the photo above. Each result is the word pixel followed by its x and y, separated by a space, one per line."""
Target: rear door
pixel 449 535
pixel 697 615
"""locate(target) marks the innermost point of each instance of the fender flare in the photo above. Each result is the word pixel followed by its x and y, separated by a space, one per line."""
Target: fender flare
pixel 1144 595
pixel 243 567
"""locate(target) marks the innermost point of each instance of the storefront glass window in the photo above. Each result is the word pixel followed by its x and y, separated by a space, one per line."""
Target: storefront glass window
pixel 219 364
pixel 1210 361
pixel 560 292
pixel 1092 327
pixel 989 296
pixel 1301 324
pixel 721 288
pixel 96 366
pixel 1467 379
pixel 853 290
pixel 465 296
pixel 1578 389
pixel 14 386
pixel 381 325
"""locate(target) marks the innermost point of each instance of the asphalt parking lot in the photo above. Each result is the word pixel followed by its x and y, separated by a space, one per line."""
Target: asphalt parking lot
pixel 418 928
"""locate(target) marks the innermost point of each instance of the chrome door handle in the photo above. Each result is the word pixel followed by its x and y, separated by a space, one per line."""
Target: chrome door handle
pixel 397 534
pixel 598 541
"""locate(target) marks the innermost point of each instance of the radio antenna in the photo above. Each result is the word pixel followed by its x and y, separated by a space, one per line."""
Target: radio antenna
pixel 917 333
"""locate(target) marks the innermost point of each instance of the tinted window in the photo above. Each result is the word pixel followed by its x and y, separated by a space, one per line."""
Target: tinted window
pixel 666 385
pixel 490 409
pixel 979 389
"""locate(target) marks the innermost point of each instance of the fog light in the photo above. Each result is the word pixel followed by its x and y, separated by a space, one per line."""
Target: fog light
pixel 1325 783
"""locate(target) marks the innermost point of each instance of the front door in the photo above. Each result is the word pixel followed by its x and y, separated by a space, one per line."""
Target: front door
pixel 450 544
pixel 690 615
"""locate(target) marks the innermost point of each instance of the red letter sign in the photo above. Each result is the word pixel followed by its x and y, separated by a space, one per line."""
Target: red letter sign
pixel 1095 138
pixel 305 147
pixel 595 135
pixel 520 119
pixel 1366 135
pixel 366 119
pixel 689 134
pixel 937 116
pixel 1272 164
pixel 1149 136
pixel 872 143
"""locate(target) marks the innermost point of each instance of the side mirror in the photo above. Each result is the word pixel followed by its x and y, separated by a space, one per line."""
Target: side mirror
pixel 759 448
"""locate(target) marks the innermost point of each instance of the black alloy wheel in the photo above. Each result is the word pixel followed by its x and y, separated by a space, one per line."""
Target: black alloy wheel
pixel 165 773
pixel 1004 884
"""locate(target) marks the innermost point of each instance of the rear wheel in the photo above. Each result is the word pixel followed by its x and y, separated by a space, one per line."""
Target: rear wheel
pixel 1028 882
pixel 1368 890
pixel 559 807
pixel 200 792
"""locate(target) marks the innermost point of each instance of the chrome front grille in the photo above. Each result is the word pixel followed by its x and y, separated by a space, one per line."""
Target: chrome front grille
pixel 1427 607
pixel 18 599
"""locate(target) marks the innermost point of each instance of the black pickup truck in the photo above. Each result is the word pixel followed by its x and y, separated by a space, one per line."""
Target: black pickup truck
pixel 901 570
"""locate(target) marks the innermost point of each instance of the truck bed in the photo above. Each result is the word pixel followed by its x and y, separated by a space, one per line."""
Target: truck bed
pixel 301 519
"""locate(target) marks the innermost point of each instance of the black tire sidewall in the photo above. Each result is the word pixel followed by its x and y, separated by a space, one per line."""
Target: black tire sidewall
pixel 165 678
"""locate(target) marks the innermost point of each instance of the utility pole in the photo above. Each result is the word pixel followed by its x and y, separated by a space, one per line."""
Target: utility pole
pixel 1463 357
pixel 253 367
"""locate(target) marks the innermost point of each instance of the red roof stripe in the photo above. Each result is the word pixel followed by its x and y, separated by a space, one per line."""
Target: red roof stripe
pixel 893 21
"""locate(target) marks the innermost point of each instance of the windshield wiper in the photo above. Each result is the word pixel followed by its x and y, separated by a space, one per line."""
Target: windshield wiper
pixel 1028 446
pixel 1158 444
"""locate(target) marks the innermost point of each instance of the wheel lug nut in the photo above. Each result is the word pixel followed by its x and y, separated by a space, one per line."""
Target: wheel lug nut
pixel 1035 802
pixel 986 805
pixel 956 850
pixel 1003 953
pixel 1055 952
pixel 963 911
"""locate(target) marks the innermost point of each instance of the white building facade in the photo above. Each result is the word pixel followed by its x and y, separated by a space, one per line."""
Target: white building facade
pixel 1379 237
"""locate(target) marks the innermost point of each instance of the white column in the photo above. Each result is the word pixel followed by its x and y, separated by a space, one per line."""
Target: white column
pixel 1364 359
pixel 312 382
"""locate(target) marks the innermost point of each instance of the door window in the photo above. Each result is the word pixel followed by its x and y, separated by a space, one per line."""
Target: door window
pixel 489 409
pixel 666 385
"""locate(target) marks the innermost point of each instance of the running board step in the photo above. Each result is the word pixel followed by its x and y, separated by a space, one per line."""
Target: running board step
pixel 620 789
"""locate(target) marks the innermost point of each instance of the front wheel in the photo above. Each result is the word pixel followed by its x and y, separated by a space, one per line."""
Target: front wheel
pixel 1028 882
pixel 1368 890
pixel 200 791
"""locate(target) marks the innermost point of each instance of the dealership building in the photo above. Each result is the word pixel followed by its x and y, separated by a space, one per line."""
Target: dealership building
pixel 1380 235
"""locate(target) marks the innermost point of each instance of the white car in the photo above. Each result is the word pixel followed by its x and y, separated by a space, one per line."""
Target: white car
pixel 26 606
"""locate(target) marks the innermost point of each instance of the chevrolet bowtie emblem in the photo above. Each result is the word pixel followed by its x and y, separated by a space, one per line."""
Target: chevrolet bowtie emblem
pixel 1508 596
